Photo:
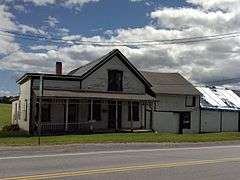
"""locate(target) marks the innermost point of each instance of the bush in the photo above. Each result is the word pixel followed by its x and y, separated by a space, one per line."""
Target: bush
pixel 12 127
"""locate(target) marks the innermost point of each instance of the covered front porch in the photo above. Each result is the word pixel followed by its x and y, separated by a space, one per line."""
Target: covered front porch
pixel 84 112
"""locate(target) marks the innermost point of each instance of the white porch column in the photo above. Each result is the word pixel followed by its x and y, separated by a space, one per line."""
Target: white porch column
pixel 142 116
pixel 116 119
pixel 39 108
pixel 145 116
pixel 91 113
pixel 66 116
pixel 151 122
pixel 131 116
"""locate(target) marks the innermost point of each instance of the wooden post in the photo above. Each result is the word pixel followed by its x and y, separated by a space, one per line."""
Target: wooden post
pixel 66 116
pixel 152 116
pixel 141 113
pixel 40 108
pixel 116 119
pixel 91 116
pixel 131 116
pixel 145 116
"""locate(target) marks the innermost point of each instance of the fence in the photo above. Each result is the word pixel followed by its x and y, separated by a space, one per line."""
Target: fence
pixel 63 128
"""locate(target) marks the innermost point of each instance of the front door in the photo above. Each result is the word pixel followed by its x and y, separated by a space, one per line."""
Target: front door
pixel 72 117
pixel 112 115
pixel 184 121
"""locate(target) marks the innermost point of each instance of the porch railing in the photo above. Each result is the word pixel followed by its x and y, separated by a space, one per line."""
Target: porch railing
pixel 61 128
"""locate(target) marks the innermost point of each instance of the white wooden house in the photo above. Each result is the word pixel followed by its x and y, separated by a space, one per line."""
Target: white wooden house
pixel 108 94
pixel 177 109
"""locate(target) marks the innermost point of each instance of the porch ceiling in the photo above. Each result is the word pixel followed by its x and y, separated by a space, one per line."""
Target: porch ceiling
pixel 95 95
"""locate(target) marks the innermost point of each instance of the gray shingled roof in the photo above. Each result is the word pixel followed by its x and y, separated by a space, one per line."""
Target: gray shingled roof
pixel 170 83
pixel 97 95
pixel 90 67
pixel 84 69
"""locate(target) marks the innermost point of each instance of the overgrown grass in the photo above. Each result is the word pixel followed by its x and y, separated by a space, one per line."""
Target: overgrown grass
pixel 5 114
pixel 118 138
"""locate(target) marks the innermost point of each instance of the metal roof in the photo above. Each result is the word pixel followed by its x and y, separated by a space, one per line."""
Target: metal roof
pixel 97 95
pixel 170 83
pixel 219 98
pixel 236 92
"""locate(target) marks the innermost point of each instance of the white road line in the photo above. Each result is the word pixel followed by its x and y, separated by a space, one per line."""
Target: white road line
pixel 115 152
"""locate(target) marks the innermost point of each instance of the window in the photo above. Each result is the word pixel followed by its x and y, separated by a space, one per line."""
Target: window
pixel 190 101
pixel 96 110
pixel 135 111
pixel 115 80
pixel 186 120
pixel 46 112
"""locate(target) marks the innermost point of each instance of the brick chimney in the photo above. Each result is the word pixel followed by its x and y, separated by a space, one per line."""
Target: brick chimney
pixel 59 68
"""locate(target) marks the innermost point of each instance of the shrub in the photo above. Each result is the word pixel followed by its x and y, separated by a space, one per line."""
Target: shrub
pixel 12 127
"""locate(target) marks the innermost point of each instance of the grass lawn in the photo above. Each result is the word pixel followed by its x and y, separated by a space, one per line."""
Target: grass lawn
pixel 20 138
pixel 5 114
pixel 118 138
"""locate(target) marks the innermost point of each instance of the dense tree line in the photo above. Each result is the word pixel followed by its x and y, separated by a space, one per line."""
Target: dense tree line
pixel 6 99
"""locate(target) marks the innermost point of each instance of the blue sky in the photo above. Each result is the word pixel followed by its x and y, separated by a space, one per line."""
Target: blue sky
pixel 125 20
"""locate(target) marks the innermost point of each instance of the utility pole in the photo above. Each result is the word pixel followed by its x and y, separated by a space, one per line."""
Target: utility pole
pixel 40 108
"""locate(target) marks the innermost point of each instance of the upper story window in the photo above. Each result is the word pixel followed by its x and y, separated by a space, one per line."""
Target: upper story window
pixel 115 80
pixel 190 101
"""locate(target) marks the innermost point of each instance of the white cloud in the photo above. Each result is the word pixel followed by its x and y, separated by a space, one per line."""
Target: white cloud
pixel 41 2
pixel 63 31
pixel 20 8
pixel 8 43
pixel 52 21
pixel 186 18
pixel 41 47
pixel 78 2
pixel 136 0
pixel 200 62
pixel 5 93
pixel 26 29
pixel 72 37
pixel 68 3
pixel 217 4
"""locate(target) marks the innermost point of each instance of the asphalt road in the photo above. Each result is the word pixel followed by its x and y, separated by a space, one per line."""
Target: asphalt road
pixel 121 161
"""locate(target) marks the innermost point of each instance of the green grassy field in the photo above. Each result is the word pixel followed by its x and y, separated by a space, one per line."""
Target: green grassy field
pixel 20 138
pixel 119 138
pixel 5 114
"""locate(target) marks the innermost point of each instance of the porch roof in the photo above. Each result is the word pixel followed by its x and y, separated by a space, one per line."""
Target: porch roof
pixel 96 95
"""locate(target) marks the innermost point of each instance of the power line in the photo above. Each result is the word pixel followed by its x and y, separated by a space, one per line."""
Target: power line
pixel 118 43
